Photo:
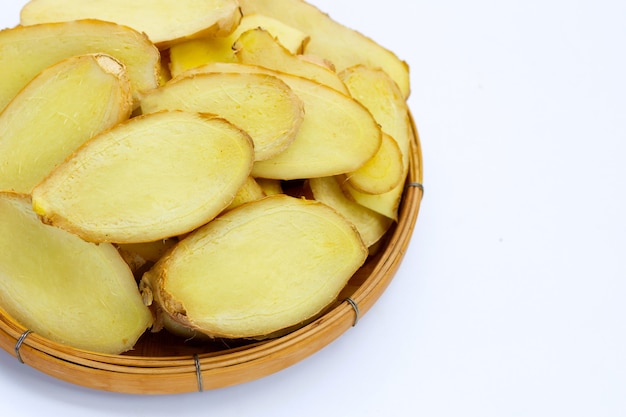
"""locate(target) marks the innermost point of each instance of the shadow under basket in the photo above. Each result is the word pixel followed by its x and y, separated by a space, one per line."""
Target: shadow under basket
pixel 164 364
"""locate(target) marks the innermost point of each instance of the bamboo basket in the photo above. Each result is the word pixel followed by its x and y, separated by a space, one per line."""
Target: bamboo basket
pixel 164 364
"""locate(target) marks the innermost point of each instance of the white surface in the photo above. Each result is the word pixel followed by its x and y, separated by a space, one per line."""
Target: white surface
pixel 511 298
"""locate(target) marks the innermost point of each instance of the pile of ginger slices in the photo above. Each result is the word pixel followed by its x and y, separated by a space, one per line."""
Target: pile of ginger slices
pixel 218 168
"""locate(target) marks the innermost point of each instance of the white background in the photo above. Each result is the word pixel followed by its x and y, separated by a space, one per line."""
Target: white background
pixel 511 298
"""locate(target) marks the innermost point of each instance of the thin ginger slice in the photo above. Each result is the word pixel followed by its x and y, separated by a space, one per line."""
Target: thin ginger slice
pixel 371 225
pixel 258 269
pixel 258 47
pixel 63 107
pixel 153 177
pixel 27 50
pixel 149 251
pixel 337 135
pixel 65 289
pixel 270 186
pixel 250 191
pixel 164 21
pixel 383 172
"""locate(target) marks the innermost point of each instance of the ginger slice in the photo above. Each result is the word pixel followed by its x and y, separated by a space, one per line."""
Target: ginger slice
pixel 371 225
pixel 260 268
pixel 258 47
pixel 149 251
pixel 63 107
pixel 383 172
pixel 65 289
pixel 163 21
pixel 264 106
pixel 250 191
pixel 337 135
pixel 153 177
pixel 27 50
pixel 270 186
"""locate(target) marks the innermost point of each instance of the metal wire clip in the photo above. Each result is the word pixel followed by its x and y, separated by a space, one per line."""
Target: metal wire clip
pixel 19 343
pixel 418 185
pixel 196 360
pixel 356 310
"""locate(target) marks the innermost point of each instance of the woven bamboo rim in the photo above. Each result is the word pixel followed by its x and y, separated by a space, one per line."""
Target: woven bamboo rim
pixel 152 370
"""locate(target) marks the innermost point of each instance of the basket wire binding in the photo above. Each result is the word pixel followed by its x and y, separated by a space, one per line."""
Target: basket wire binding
pixel 196 360
pixel 19 343
pixel 417 185
pixel 356 310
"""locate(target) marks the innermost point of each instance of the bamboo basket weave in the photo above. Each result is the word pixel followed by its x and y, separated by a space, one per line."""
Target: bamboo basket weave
pixel 164 364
